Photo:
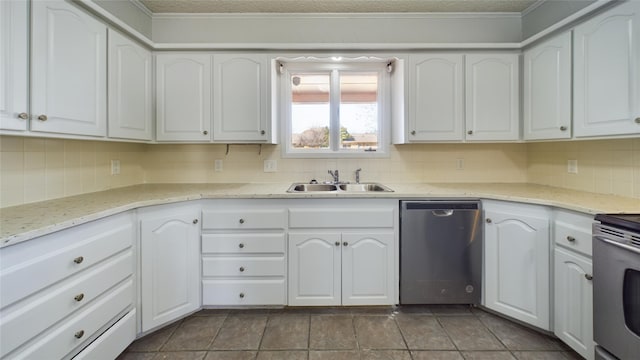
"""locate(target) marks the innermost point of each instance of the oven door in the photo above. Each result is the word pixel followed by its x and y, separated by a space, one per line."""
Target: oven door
pixel 616 297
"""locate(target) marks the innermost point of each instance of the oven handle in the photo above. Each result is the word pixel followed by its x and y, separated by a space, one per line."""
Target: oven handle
pixel 620 245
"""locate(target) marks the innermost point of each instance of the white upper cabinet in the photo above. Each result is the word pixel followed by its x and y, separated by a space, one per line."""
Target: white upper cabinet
pixel 240 98
pixel 436 105
pixel 547 89
pixel 492 97
pixel 607 73
pixel 69 70
pixel 130 97
pixel 183 97
pixel 14 67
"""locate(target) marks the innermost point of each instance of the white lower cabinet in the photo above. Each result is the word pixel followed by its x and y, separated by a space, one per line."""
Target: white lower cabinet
pixel 516 280
pixel 169 263
pixel 343 253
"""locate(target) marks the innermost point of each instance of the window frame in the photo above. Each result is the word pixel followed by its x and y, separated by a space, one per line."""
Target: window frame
pixel 333 67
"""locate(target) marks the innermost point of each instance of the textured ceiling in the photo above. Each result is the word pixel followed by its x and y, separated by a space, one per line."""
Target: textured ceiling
pixel 334 6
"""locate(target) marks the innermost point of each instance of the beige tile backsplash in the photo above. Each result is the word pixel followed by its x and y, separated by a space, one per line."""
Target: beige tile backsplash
pixel 33 169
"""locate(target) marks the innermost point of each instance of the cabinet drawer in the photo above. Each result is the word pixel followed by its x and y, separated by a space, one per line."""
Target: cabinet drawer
pixel 71 334
pixel 573 231
pixel 113 342
pixel 38 313
pixel 36 264
pixel 341 218
pixel 243 266
pixel 243 292
pixel 244 219
pixel 243 243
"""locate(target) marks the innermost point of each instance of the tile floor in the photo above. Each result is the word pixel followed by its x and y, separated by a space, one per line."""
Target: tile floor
pixel 395 333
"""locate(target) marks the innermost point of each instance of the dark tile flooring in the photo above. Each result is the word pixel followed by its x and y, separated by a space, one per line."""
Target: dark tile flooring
pixel 395 333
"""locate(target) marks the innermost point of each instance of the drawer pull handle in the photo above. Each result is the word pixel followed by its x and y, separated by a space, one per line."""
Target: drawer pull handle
pixel 563 128
pixel 205 132
pixel 79 297
pixel 195 221
pixel 241 268
pixel 345 243
pixel 79 334
pixel 241 221
pixel 470 132
pixel 489 221
pixel 262 132
pixel 23 116
pixel 241 295
pixel 588 276
pixel 337 243
pixel 42 118
pixel 241 245
pixel 571 238
pixel 78 260
pixel 413 132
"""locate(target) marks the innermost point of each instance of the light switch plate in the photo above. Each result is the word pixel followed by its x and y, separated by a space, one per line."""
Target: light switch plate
pixel 217 166
pixel 115 167
pixel 572 166
pixel 270 165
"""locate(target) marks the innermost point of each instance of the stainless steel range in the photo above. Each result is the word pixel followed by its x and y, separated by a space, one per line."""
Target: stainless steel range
pixel 616 286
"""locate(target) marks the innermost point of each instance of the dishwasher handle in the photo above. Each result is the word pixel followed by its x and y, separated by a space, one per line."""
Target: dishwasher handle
pixel 442 213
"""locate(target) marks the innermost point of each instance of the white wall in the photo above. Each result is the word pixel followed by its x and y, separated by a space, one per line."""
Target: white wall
pixel 549 13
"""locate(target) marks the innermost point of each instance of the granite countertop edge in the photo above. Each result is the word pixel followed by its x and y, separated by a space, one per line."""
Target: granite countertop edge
pixel 25 222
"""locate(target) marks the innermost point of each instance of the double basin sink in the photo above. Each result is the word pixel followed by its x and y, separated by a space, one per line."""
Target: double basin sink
pixel 349 188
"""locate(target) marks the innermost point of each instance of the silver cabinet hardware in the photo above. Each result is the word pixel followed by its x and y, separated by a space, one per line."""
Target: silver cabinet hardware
pixel 570 238
pixel 345 243
pixel 79 297
pixel 241 221
pixel 262 132
pixel 489 221
pixel 241 245
pixel 413 132
pixel 470 132
pixel 78 260
pixel 241 295
pixel 42 118
pixel 23 116
pixel 241 269
pixel 79 334
pixel 563 128
pixel 588 276
pixel 195 221
pixel 337 243
pixel 638 120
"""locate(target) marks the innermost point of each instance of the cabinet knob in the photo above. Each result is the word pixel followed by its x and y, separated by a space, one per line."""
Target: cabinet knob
pixel 241 295
pixel 262 132
pixel 563 128
pixel 241 268
pixel 489 221
pixel 470 132
pixel 588 276
pixel 413 132
pixel 345 244
pixel 42 117
pixel 570 238
pixel 637 120
pixel 205 132
pixel 79 334
pixel 78 260
pixel 195 221
pixel 337 243
pixel 241 245
pixel 241 221
pixel 23 116
pixel 79 297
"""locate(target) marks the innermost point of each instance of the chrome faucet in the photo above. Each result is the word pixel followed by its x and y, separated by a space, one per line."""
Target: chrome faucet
pixel 336 176
pixel 358 175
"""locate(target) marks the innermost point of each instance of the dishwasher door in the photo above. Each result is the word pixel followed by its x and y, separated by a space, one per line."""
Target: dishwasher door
pixel 440 252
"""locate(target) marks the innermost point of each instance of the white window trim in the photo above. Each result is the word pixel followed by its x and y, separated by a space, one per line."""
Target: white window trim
pixel 352 64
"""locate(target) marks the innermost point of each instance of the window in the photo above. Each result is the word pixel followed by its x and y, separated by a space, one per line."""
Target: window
pixel 336 109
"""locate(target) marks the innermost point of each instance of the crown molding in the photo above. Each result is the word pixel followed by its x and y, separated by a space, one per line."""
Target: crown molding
pixel 217 16
pixel 142 7
pixel 532 7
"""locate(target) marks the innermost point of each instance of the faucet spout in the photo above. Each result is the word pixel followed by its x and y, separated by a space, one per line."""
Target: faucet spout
pixel 335 175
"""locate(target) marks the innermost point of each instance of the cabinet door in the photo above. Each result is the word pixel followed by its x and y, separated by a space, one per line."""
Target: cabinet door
pixel 170 264
pixel 547 89
pixel 14 23
pixel 607 73
pixel 69 70
pixel 573 306
pixel 314 268
pixel 129 89
pixel 183 97
pixel 240 98
pixel 367 268
pixel 517 264
pixel 492 97
pixel 436 93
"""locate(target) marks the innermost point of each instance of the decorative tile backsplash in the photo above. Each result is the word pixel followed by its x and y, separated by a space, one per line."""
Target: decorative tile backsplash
pixel 33 169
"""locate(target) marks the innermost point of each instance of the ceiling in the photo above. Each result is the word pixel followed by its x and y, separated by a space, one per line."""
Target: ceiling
pixel 335 6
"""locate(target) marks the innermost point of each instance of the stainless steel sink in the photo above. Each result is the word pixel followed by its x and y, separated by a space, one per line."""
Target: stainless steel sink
pixel 348 188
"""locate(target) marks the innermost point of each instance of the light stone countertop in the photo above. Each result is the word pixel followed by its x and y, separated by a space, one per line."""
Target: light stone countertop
pixel 24 222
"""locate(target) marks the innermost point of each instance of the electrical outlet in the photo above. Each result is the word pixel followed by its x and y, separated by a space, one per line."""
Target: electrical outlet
pixel 217 166
pixel 459 164
pixel 572 166
pixel 115 167
pixel 270 165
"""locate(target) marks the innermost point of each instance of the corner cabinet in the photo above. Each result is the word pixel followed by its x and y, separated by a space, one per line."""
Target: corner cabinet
pixel 517 261
pixel 436 97
pixel 169 263
pixel 14 65
pixel 547 89
pixel 130 92
pixel 492 97
pixel 69 70
pixel 241 98
pixel 607 73
pixel 183 97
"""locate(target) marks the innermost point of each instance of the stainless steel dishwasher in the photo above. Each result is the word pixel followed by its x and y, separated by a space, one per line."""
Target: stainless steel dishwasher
pixel 440 252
